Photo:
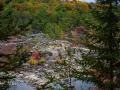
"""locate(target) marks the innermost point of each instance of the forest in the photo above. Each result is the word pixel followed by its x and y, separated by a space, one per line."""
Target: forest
pixel 59 45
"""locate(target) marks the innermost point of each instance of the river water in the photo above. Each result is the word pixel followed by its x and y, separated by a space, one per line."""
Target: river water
pixel 78 85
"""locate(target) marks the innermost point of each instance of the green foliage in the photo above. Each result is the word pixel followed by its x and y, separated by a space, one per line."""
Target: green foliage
pixel 65 17
pixel 56 30
pixel 40 18
pixel 19 1
pixel 100 65
pixel 13 22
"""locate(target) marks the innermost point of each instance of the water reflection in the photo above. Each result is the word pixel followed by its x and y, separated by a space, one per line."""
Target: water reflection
pixel 15 84
pixel 78 84
pixel 21 86
pixel 18 84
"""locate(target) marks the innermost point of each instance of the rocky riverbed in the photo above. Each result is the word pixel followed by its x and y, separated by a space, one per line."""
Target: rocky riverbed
pixel 42 73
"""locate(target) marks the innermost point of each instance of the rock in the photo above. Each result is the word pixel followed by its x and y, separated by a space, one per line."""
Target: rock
pixel 31 77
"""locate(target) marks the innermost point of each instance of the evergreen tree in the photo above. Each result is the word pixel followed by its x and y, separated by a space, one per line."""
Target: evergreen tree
pixel 101 65
pixel 8 27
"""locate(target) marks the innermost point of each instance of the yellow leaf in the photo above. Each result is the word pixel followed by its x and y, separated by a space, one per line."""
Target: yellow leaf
pixel 42 59
pixel 33 60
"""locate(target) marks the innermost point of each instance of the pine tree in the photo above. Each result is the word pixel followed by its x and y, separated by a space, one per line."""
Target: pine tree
pixel 101 65
pixel 8 59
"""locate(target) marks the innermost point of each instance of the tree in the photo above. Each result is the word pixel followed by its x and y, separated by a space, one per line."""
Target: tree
pixel 101 64
pixel 41 19
pixel 53 30
pixel 13 21
pixel 11 55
